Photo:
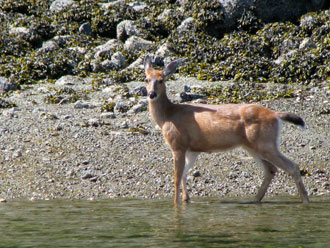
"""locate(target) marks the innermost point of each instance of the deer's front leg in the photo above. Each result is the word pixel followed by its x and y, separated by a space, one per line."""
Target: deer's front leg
pixel 179 163
pixel 190 158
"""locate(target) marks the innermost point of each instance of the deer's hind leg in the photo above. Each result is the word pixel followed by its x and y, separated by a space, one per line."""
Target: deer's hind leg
pixel 269 173
pixel 278 159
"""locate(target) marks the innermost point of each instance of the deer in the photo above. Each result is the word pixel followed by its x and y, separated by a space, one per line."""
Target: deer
pixel 190 129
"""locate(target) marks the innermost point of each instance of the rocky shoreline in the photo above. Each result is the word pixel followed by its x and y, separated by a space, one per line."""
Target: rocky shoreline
pixel 78 151
pixel 74 119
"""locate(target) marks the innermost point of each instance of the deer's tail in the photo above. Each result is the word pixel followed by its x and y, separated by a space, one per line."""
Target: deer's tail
pixel 293 118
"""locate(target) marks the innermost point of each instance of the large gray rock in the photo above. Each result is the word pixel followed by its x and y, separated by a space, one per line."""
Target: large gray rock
pixel 126 29
pixel 107 50
pixel 136 43
pixel 19 31
pixel 85 28
pixel 69 80
pixel 187 25
pixel 119 60
pixel 6 86
pixel 60 5
pixel 48 46
pixel 138 6
pixel 164 50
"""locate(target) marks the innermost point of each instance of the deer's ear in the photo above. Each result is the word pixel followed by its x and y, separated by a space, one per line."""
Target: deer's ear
pixel 170 68
pixel 147 62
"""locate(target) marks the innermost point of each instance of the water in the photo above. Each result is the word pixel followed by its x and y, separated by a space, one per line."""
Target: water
pixel 207 222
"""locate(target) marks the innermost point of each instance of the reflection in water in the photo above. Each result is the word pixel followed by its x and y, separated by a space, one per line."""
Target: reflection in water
pixel 157 223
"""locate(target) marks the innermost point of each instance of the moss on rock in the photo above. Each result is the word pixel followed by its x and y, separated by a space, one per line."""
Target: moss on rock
pixel 253 52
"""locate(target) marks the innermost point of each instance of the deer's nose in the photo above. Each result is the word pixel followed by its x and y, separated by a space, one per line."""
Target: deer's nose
pixel 152 94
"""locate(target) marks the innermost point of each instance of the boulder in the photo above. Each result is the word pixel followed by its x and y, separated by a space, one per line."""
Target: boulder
pixel 69 80
pixel 187 25
pixel 60 5
pixel 118 60
pixel 126 29
pixel 136 43
pixel 48 46
pixel 164 50
pixel 6 85
pixel 307 43
pixel 140 91
pixel 138 6
pixel 85 28
pixel 22 32
pixel 107 49
pixel 137 64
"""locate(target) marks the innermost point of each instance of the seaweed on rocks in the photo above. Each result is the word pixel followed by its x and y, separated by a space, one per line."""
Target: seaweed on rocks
pixel 38 44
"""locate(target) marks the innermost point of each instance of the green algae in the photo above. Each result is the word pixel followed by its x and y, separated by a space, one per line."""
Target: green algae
pixel 243 93
pixel 247 54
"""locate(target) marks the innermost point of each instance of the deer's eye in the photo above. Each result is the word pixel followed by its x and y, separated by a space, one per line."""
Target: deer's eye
pixel 147 80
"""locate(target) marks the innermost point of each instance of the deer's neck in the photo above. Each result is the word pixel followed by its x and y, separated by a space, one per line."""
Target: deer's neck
pixel 160 109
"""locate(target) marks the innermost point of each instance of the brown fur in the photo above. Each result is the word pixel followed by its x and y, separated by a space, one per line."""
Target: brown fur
pixel 193 128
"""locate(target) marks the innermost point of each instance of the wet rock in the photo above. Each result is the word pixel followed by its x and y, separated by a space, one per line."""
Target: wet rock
pixel 288 45
pixel 85 28
pixel 3 200
pixel 108 115
pixel 107 49
pixel 94 122
pixel 6 85
pixel 121 107
pixel 233 175
pixel 20 32
pixel 69 80
pixel 138 108
pixel 137 64
pixel 136 43
pixel 48 116
pixel 115 3
pixel 138 6
pixel 140 91
pixel 167 13
pixel 104 66
pixel 307 43
pixel 187 25
pixel 284 57
pixel 164 50
pixel 126 29
pixel 60 5
pixel 48 46
pixel 87 175
pixel 81 105
pixel 186 97
pixel 93 179
pixel 196 173
pixel 62 39
pixel 118 60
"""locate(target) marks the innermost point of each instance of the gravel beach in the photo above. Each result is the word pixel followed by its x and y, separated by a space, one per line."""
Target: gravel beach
pixel 76 151
pixel 74 120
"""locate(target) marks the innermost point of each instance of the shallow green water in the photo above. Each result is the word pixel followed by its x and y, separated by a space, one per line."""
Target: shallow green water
pixel 207 222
